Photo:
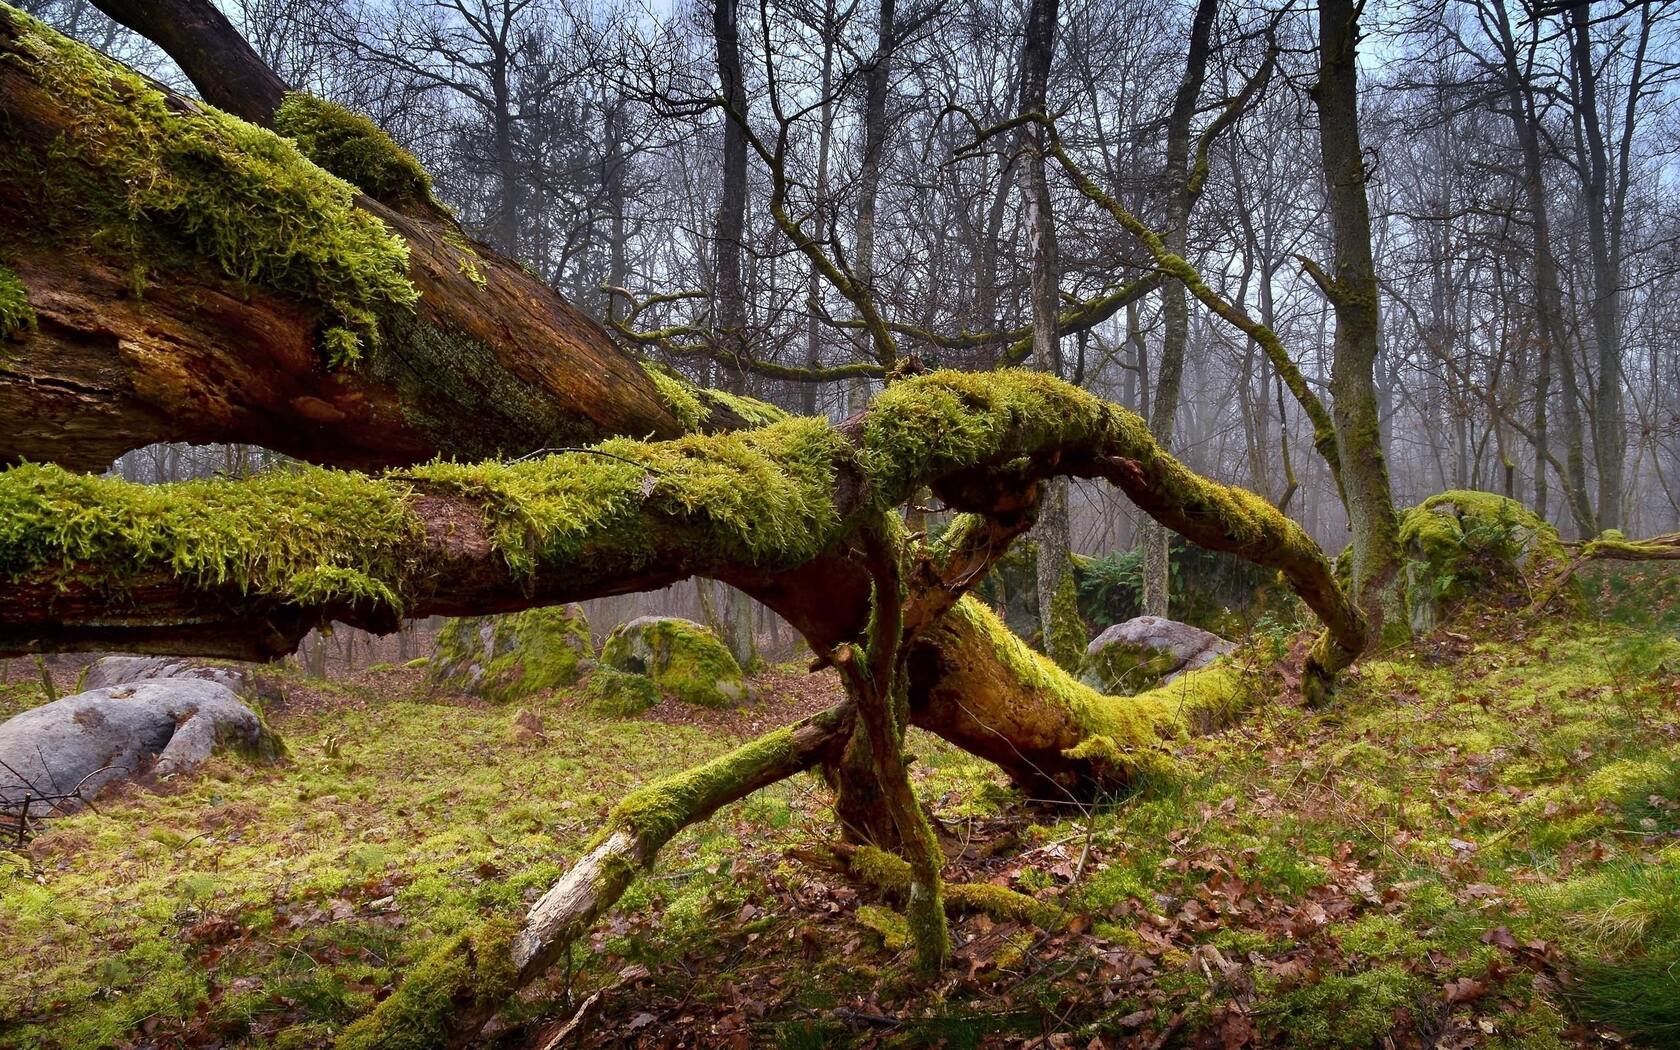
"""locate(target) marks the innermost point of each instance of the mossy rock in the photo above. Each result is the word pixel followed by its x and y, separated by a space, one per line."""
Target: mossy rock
pixel 506 658
pixel 1145 652
pixel 1462 542
pixel 682 658
pixel 619 694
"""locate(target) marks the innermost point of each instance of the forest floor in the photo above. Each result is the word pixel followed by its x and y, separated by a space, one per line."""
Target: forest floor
pixel 1477 845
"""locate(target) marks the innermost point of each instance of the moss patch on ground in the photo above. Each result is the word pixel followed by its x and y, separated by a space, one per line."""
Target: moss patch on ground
pixel 1477 841
pixel 272 906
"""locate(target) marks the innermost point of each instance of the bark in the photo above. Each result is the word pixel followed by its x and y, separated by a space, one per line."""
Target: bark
pixel 1037 54
pixel 1605 216
pixel 200 39
pixel 1352 290
pixel 730 224
pixel 1548 296
pixel 877 82
pixel 457 540
pixel 820 216
pixel 247 567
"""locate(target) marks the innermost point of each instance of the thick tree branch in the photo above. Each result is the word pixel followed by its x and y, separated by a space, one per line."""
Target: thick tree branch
pixel 192 277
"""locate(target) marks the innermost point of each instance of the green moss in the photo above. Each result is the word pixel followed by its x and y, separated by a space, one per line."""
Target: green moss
pixel 1002 904
pixel 1465 542
pixel 472 970
pixel 1120 669
pixel 881 871
pixel 355 149
pixel 694 406
pixel 1127 733
pixel 889 875
pixel 507 658
pixel 682 658
pixel 302 534
pixel 751 410
pixel 681 397
pixel 661 809
pixel 165 188
pixel 619 694
pixel 1068 636
pixel 892 926
pixel 764 497
pixel 1353 1010
pixel 16 315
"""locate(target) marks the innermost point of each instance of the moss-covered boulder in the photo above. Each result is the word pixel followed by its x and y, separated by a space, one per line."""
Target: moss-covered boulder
pixel 682 658
pixel 1462 543
pixel 1144 652
pixel 505 658
pixel 619 694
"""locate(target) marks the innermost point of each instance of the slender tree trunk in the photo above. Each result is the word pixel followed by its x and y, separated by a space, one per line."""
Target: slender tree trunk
pixel 1554 345
pixel 1037 55
pixel 1352 289
pixel 1609 435
pixel 1175 305
pixel 825 145
pixel 730 223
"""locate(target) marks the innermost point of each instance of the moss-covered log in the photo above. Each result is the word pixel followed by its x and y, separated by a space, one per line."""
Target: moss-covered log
pixel 975 683
pixel 246 567
pixel 192 277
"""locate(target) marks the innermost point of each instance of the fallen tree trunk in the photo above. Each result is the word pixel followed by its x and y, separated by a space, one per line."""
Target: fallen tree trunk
pixel 319 321
pixel 193 278
pixel 247 567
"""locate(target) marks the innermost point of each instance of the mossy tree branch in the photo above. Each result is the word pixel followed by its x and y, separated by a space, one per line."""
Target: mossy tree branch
pixel 201 563
pixel 1324 430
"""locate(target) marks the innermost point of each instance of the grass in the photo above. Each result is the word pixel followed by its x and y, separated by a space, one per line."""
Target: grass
pixel 1479 841
pixel 251 901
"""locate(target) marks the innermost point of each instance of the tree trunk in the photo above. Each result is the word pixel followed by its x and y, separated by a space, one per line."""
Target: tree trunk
pixel 1352 290
pixel 877 82
pixel 730 224
pixel 247 568
pixel 1037 54
pixel 1554 344
pixel 1604 218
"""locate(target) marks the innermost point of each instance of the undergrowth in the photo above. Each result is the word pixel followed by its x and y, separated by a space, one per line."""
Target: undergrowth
pixel 1479 842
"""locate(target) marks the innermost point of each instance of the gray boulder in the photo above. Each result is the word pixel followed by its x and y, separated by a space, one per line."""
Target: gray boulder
pixel 83 743
pixel 244 681
pixel 1145 652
